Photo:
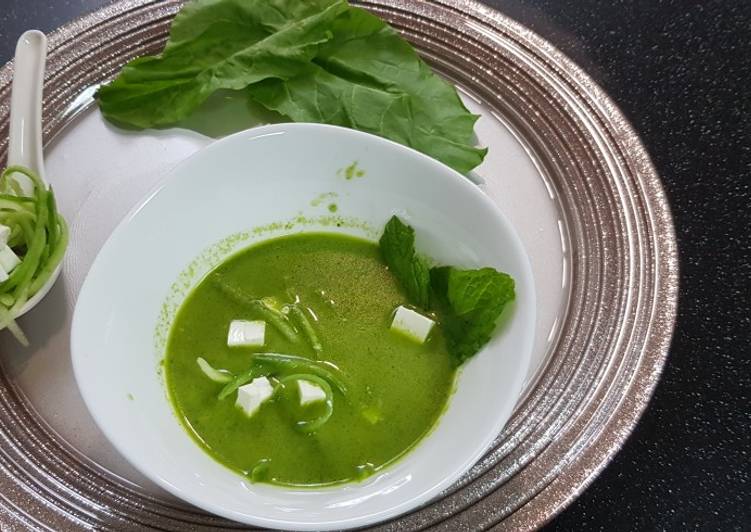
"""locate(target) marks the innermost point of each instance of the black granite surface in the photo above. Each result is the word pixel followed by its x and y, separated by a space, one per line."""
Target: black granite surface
pixel 680 70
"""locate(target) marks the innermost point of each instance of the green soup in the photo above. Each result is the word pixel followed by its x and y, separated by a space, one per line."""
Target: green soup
pixel 396 388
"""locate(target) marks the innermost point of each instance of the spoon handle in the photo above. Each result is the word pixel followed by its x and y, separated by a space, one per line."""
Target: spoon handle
pixel 25 142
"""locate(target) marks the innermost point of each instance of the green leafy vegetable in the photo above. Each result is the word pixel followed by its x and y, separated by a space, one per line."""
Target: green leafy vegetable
pixel 398 249
pixel 225 44
pixel 310 60
pixel 469 303
pixel 367 77
pixel 37 234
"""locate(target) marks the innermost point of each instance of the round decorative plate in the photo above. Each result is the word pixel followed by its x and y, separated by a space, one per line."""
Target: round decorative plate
pixel 564 166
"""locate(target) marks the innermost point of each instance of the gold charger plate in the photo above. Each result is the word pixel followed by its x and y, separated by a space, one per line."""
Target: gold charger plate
pixel 609 347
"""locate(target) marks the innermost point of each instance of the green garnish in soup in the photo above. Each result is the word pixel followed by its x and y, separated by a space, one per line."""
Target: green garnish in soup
pixel 317 358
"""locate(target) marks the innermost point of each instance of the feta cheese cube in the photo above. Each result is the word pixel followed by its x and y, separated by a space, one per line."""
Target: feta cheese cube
pixel 246 333
pixel 252 395
pixel 309 392
pixel 3 275
pixel 4 234
pixel 8 259
pixel 412 324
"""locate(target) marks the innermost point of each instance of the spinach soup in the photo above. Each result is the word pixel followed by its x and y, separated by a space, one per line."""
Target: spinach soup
pixel 300 362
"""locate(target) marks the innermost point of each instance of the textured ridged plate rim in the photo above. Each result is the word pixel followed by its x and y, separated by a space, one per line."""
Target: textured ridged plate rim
pixel 610 348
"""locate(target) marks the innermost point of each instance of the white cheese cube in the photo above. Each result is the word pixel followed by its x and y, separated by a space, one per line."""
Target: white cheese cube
pixel 3 275
pixel 246 333
pixel 8 259
pixel 412 324
pixel 252 395
pixel 309 392
pixel 4 234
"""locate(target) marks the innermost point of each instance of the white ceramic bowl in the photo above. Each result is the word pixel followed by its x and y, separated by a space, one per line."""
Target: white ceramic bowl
pixel 256 178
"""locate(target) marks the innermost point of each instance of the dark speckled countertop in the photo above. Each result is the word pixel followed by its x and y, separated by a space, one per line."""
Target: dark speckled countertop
pixel 680 70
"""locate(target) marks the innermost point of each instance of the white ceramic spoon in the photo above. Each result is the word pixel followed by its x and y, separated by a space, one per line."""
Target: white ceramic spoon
pixel 25 142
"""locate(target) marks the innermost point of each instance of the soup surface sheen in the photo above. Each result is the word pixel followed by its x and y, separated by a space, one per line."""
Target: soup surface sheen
pixel 396 388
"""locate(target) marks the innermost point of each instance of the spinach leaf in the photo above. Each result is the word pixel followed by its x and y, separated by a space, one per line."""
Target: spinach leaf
pixel 469 302
pixel 367 77
pixel 218 44
pixel 310 60
pixel 398 249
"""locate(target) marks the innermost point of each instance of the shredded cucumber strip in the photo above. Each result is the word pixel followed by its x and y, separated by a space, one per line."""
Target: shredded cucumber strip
pixel 307 328
pixel 265 364
pixel 43 274
pixel 242 379
pixel 38 235
pixel 216 375
pixel 314 424
pixel 8 204
pixel 275 318
pixel 10 323
pixel 297 364
pixel 269 313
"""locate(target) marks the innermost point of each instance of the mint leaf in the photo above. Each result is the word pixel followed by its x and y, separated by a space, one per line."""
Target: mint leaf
pixel 310 60
pixel 469 302
pixel 398 249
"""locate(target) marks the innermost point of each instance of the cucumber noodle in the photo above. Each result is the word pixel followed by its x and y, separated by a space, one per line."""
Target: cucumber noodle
pixel 265 364
pixel 314 424
pixel 299 314
pixel 264 308
pixel 38 235
pixel 293 368
pixel 216 375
